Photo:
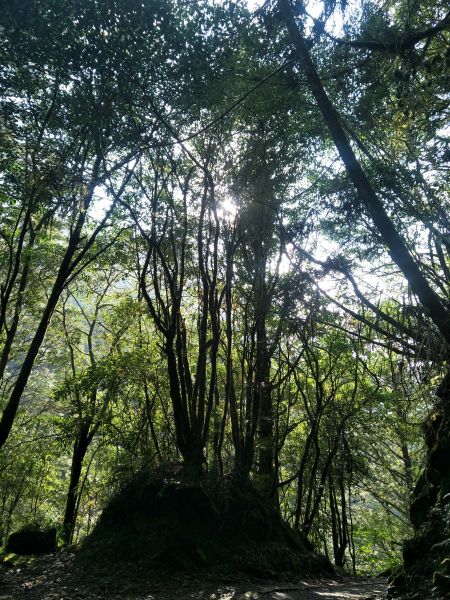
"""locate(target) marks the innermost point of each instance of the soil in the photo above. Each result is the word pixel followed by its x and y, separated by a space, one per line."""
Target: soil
pixel 57 577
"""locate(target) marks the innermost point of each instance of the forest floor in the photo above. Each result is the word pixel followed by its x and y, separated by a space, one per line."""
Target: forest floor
pixel 56 577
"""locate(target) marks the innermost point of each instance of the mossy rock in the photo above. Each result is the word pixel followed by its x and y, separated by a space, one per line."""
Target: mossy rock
pixel 32 540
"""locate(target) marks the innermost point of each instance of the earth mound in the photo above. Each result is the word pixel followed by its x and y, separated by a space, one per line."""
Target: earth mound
pixel 167 521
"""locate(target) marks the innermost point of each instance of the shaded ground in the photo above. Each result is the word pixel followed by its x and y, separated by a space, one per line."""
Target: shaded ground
pixel 55 577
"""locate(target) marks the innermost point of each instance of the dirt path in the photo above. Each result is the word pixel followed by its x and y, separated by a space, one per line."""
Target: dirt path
pixel 320 590
pixel 55 578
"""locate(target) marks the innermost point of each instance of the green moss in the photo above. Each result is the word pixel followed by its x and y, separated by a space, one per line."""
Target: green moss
pixel 10 560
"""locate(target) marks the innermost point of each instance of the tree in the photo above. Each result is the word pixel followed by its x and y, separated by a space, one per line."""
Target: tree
pixel 367 196
pixel 195 204
pixel 56 127
pixel 88 387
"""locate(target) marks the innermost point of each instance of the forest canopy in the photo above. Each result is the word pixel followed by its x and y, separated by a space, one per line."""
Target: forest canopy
pixel 224 244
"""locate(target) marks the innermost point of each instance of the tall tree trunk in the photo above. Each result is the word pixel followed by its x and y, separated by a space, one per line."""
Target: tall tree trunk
pixel 433 487
pixel 366 194
pixel 68 263
pixel 79 452
pixel 9 413
pixel 263 395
